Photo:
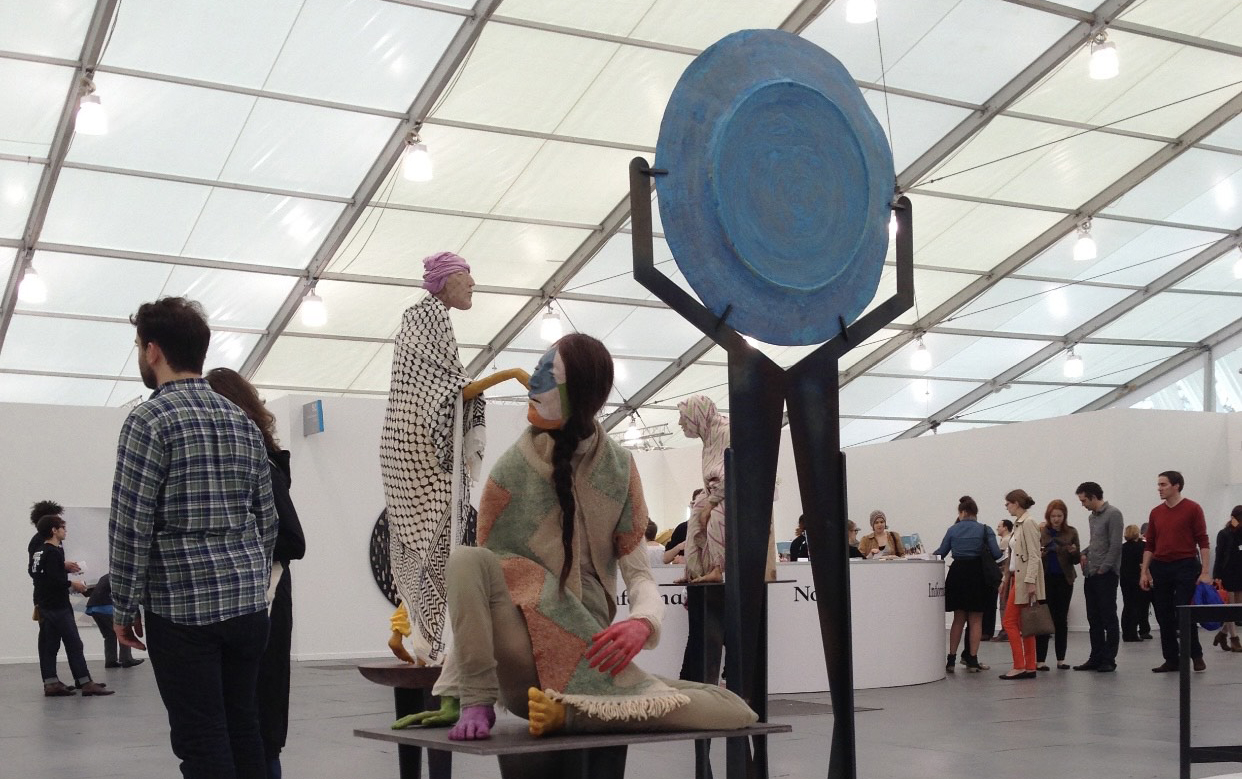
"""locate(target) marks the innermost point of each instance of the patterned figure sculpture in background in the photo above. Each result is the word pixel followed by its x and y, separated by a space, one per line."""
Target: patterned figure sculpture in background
pixel 431 450
pixel 705 535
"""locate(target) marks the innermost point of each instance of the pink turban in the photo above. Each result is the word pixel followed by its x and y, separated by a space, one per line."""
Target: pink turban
pixel 438 267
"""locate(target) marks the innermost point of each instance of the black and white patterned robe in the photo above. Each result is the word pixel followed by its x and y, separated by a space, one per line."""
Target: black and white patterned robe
pixel 431 445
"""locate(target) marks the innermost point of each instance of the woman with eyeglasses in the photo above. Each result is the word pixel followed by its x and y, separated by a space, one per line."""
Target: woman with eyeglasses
pixel 1025 581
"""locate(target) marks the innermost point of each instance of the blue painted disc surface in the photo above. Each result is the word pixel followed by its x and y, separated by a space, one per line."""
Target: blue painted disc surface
pixel 779 187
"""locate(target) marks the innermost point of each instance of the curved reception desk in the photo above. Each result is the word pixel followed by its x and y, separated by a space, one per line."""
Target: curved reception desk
pixel 897 610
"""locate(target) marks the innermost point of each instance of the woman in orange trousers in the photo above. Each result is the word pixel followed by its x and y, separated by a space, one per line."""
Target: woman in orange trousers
pixel 1025 581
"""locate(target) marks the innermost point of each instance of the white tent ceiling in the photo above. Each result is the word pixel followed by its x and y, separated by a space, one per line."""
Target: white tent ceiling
pixel 253 149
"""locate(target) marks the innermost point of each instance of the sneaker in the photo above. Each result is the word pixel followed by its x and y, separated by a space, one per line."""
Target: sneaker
pixel 95 688
pixel 57 690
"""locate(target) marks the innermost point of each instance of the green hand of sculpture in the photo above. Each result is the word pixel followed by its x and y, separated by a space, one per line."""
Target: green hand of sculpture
pixel 447 714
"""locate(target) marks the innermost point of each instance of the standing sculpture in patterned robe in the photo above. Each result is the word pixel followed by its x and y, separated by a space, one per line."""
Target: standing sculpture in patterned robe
pixel 431 450
pixel 705 533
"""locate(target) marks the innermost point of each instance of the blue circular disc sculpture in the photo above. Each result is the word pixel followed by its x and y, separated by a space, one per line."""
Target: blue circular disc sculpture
pixel 779 187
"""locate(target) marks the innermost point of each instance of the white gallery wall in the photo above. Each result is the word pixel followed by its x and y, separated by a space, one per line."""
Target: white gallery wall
pixel 68 454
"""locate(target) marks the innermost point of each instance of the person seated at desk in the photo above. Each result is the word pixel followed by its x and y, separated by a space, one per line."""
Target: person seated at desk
pixel 881 543
pixel 655 550
pixel 797 547
pixel 853 544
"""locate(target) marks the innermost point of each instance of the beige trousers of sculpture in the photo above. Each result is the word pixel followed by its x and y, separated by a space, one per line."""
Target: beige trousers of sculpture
pixel 494 661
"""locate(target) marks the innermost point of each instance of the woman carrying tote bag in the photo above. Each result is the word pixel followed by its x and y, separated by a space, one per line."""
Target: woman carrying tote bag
pixel 1026 583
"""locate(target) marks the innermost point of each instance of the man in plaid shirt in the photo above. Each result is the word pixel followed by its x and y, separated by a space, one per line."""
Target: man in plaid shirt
pixel 191 534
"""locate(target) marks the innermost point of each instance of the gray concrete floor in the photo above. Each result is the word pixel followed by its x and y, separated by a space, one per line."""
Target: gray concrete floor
pixel 1065 723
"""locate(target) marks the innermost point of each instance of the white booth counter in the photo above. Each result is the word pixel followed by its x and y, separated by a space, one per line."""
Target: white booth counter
pixel 897 614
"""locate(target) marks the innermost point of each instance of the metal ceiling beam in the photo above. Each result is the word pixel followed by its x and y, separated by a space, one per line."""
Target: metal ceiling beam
pixel 88 59
pixel 452 58
pixel 1109 315
pixel 1063 227
pixel 1146 382
pixel 558 137
pixel 215 183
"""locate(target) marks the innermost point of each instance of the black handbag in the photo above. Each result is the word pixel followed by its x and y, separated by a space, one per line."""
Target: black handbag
pixel 991 571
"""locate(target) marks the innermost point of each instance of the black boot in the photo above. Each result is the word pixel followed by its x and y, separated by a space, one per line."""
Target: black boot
pixel 973 665
pixel 952 662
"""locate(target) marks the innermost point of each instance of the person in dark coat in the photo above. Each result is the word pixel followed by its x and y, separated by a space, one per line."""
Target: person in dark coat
pixel 99 608
pixel 1135 601
pixel 273 684
pixel 1227 572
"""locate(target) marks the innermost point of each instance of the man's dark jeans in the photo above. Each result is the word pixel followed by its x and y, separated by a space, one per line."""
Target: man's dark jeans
pixel 206 676
pixel 55 626
pixel 1100 594
pixel 1173 585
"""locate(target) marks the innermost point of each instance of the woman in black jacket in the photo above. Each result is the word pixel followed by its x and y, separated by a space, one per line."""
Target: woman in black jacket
pixel 1228 575
pixel 273 685
pixel 1135 601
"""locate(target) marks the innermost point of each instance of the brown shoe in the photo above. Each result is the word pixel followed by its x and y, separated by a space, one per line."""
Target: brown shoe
pixel 95 688
pixel 1235 645
pixel 1166 667
pixel 1221 641
pixel 1199 664
pixel 57 690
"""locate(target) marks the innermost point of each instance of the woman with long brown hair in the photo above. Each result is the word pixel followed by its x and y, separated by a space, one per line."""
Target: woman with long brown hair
pixel 1059 542
pixel 1025 581
pixel 272 693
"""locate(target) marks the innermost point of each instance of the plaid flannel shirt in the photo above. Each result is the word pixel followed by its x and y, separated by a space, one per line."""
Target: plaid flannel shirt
pixel 193 522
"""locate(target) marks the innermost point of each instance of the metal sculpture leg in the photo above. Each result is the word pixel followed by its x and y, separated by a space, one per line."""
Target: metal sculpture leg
pixel 813 426
pixel 756 390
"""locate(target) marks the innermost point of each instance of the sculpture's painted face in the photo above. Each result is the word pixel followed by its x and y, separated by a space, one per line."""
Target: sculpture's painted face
pixel 458 291
pixel 549 397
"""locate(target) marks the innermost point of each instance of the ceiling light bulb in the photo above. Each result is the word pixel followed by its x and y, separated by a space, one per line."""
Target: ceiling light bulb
pixel 1104 63
pixel 1085 248
pixel 860 11
pixel 921 360
pixel 632 433
pixel 32 289
pixel 92 120
pixel 892 226
pixel 550 328
pixel 314 312
pixel 416 164
pixel 1073 365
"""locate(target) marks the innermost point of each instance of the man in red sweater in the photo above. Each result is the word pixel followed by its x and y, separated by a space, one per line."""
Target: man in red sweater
pixel 1177 556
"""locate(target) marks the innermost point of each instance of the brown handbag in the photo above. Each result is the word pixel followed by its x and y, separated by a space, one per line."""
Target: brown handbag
pixel 1037 621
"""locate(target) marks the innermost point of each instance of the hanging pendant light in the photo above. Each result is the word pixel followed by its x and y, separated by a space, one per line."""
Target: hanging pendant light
pixel 921 360
pixel 1104 63
pixel 1085 248
pixel 91 118
pixel 32 289
pixel 313 312
pixel 1073 365
pixel 860 11
pixel 416 161
pixel 550 328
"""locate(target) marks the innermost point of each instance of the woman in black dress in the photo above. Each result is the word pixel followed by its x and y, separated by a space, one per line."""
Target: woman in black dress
pixel 1228 575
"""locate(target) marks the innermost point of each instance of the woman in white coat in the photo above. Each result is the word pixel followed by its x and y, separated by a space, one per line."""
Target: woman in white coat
pixel 1025 580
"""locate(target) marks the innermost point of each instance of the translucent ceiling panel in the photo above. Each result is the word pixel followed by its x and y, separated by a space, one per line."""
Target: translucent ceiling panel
pixel 1175 317
pixel 1229 382
pixel 955 356
pixel 649 332
pixel 523 78
pixel 615 18
pixel 319 363
pixel 473 170
pixel 1065 174
pixel 931 288
pixel 1200 187
pixel 699 25
pixel 151 35
pixel 377 375
pixel 54 29
pixel 1229 135
pixel 96 286
pixel 1129 253
pixel 33 95
pixel 916 37
pixel 629 376
pixel 916 124
pixel 1154 74
pixel 596 319
pixel 7 256
pixel 972 236
pixel 227 350
pixel 37 343
pixel 125 392
pixel 569 181
pixel 1220 20
pixel 306 148
pixel 1041 307
pixel 487 315
pixel 626 101
pixel 906 398
pixel 1185 394
pixel 861 432
pixel 611 271
pixel 1104 364
pixel 1021 403
pixel 712 381
pixel 363 310
pixel 232 298
pixel 362 53
pixel 261 229
pixel 1222 275
pixel 54 390
pixel 165 128
pixel 868 346
pixel 392 242
pixel 122 212
pixel 512 254
pixel 18 183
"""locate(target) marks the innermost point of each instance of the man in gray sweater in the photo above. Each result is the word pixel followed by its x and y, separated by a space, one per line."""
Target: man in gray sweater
pixel 1101 563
